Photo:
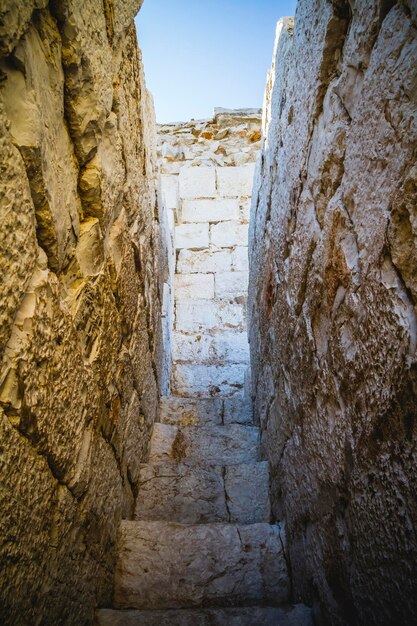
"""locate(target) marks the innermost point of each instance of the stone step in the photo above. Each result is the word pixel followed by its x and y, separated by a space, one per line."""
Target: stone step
pixel 164 565
pixel 177 411
pixel 183 412
pixel 198 494
pixel 207 445
pixel 298 615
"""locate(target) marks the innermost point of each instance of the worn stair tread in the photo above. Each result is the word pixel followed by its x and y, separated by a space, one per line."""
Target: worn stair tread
pixel 179 411
pixel 213 445
pixel 299 615
pixel 164 565
pixel 199 494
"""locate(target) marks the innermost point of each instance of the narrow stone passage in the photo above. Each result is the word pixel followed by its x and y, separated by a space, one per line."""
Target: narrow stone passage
pixel 201 549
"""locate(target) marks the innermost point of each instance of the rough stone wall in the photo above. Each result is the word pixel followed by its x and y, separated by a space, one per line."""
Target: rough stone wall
pixel 79 293
pixel 207 174
pixel 333 305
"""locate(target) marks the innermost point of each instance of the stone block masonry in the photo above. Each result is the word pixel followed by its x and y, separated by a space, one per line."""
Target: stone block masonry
pixel 207 175
pixel 333 316
pixel 80 338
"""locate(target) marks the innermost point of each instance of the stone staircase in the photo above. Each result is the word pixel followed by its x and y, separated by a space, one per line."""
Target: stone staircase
pixel 201 550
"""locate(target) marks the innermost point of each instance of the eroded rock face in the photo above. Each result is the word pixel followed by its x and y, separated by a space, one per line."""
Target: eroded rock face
pixel 332 305
pixel 80 293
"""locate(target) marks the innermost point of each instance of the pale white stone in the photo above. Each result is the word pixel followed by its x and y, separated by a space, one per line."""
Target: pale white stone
pixel 192 236
pixel 177 411
pixel 191 262
pixel 240 260
pixel 231 284
pixel 197 182
pixel 196 348
pixel 193 286
pixel 231 346
pixel 200 315
pixel 228 234
pixel 223 346
pixel 231 315
pixel 208 445
pixel 171 215
pixel 169 189
pixel 245 209
pixel 238 410
pixel 204 380
pixel 196 315
pixel 235 181
pixel 197 494
pixel 214 210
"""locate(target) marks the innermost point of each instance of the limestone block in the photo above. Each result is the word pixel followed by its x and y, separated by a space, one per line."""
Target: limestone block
pixel 197 182
pixel 238 410
pixel 206 380
pixel 187 495
pixel 235 181
pixel 192 262
pixel 245 616
pixel 240 259
pixel 191 411
pixel 192 348
pixel 204 445
pixel 231 284
pixel 328 281
pixel 199 315
pixel 196 315
pixel 243 563
pixel 79 289
pixel 228 234
pixel 231 346
pixel 201 495
pixel 193 236
pixel 193 286
pixel 244 207
pixel 228 346
pixel 29 495
pixel 210 210
pixel 169 189
pixel 247 491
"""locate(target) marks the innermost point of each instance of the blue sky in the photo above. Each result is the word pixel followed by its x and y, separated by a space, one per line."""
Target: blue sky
pixel 201 54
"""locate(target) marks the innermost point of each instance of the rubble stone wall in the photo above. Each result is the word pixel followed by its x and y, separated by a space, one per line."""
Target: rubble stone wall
pixel 206 176
pixel 80 340
pixel 333 305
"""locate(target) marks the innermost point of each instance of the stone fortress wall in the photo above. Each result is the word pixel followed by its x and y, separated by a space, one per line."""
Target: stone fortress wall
pixel 332 305
pixel 79 300
pixel 207 171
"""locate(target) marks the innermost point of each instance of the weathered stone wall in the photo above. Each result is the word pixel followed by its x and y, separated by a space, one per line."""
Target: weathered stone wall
pixel 333 305
pixel 207 174
pixel 79 312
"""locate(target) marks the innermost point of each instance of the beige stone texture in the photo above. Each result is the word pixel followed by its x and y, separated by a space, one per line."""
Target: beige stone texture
pixel 80 339
pixel 210 565
pixel 332 305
